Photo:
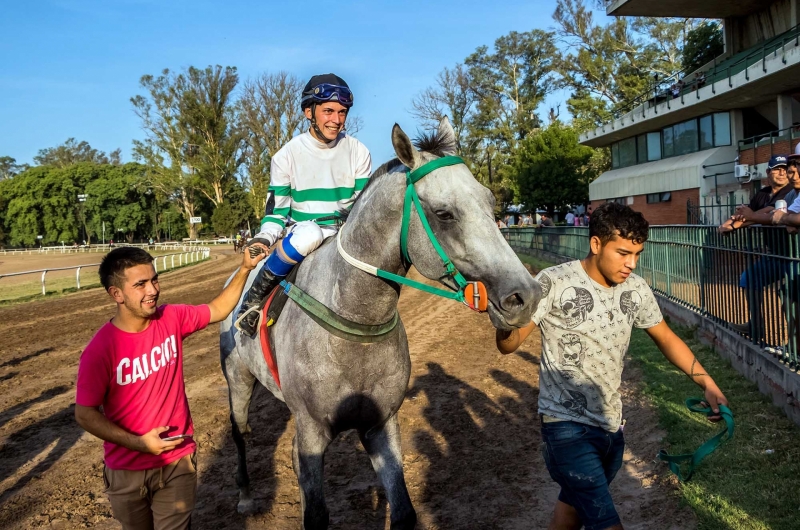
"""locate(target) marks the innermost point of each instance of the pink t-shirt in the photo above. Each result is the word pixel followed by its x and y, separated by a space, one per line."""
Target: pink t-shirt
pixel 138 379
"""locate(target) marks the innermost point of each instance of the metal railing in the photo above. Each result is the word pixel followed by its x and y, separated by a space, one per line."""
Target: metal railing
pixel 661 90
pixel 183 258
pixel 748 280
pixel 786 134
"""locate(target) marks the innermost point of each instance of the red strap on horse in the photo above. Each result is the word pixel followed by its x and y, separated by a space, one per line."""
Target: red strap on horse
pixel 266 346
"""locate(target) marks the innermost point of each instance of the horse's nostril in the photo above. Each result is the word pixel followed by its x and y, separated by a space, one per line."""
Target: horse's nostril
pixel 510 303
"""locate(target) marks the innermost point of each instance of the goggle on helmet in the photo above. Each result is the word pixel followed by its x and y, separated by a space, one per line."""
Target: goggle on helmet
pixel 326 92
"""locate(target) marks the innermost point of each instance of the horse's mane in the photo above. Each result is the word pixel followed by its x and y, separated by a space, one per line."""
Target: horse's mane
pixel 433 142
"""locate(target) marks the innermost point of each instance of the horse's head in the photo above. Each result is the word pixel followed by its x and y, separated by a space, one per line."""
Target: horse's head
pixel 461 215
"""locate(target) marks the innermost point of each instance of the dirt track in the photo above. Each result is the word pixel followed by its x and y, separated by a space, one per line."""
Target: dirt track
pixel 469 425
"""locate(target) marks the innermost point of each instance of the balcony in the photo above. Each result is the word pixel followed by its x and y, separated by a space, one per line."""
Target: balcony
pixel 746 79
pixel 759 149
pixel 683 8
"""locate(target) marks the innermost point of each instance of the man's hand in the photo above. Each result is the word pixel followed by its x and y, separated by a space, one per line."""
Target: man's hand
pixel 777 215
pixel 250 259
pixel 508 341
pixel 714 398
pixel 743 213
pixel 151 442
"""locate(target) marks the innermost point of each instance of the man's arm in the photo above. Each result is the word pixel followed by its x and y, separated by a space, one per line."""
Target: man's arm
pixel 95 422
pixel 678 353
pixel 226 301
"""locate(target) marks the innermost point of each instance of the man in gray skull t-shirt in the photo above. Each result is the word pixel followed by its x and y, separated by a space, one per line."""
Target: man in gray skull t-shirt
pixel 585 316
pixel 586 329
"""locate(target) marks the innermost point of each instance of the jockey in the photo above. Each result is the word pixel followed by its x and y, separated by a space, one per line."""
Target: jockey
pixel 315 175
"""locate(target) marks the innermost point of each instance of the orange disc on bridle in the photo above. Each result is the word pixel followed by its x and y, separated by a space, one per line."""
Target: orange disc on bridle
pixel 476 297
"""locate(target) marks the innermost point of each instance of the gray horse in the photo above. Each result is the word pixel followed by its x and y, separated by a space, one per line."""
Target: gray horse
pixel 331 384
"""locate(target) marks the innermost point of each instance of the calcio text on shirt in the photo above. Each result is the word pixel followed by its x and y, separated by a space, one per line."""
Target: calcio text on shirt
pixel 140 368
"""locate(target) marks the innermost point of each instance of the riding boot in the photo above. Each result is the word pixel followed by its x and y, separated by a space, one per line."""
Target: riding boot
pixel 253 302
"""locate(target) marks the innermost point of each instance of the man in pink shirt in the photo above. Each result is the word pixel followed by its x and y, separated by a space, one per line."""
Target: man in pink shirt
pixel 133 368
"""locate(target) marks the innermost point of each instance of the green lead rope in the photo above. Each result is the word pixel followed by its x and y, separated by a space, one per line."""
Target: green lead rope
pixel 694 459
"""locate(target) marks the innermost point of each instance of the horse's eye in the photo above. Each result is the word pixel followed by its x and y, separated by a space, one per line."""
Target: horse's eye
pixel 444 215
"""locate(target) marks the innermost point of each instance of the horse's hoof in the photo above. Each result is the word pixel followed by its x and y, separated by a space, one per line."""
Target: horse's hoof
pixel 246 507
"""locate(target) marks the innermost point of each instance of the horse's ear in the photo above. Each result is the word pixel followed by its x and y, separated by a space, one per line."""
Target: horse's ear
pixel 447 133
pixel 405 150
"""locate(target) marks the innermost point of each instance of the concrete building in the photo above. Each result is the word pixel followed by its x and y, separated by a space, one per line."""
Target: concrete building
pixel 675 148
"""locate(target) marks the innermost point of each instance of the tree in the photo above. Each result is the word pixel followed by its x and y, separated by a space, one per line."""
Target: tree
pixel 165 151
pixel 553 170
pixel 270 115
pixel 207 118
pixel 9 167
pixel 452 96
pixel 608 66
pixel 703 43
pixel 115 198
pixel 72 152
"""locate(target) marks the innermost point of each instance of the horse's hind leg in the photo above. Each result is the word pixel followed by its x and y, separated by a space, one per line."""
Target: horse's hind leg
pixel 308 458
pixel 383 447
pixel 240 391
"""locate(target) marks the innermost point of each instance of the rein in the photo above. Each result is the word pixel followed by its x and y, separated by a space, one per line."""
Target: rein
pixel 694 459
pixel 471 294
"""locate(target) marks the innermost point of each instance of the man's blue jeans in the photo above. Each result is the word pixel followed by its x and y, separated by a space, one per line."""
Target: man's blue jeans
pixel 583 460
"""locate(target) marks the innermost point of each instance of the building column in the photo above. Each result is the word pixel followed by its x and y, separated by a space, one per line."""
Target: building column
pixel 794 17
pixel 784 111
pixel 737 127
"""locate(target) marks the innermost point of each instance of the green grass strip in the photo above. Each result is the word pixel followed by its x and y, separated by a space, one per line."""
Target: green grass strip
pixel 742 485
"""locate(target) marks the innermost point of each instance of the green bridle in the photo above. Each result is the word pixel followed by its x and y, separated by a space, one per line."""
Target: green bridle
pixel 356 332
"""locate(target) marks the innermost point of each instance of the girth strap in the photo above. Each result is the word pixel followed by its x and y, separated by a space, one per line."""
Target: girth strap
pixel 335 324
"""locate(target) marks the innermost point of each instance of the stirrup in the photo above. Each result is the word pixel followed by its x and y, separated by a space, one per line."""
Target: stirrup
pixel 238 323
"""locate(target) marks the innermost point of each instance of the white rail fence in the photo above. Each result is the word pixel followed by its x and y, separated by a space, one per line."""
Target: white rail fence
pixel 187 246
pixel 187 257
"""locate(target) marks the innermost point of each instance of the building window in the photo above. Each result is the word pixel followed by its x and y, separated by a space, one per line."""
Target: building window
pixel 706 133
pixel 685 137
pixel 615 155
pixel 669 144
pixel 653 146
pixel 618 200
pixel 664 196
pixel 722 128
pixel 627 152
pixel 641 149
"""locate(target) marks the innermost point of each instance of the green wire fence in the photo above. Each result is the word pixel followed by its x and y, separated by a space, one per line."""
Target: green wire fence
pixel 748 280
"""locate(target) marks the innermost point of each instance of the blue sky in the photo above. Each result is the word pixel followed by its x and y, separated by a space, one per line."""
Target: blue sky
pixel 70 67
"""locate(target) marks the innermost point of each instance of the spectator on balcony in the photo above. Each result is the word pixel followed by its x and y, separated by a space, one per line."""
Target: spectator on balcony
pixel 759 211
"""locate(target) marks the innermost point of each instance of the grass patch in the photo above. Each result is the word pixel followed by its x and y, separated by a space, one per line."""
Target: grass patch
pixel 537 264
pixel 30 291
pixel 740 486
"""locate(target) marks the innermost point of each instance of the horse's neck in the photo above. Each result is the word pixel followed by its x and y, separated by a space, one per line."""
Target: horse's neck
pixel 371 235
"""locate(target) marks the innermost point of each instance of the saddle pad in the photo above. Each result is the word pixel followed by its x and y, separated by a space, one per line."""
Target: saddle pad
pixel 266 345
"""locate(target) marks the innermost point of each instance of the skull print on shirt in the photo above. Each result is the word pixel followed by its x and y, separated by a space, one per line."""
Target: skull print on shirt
pixel 630 302
pixel 576 303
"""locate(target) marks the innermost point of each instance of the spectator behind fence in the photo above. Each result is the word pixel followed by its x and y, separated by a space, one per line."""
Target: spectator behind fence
pixel 765 271
pixel 790 218
pixel 759 211
pixel 569 218
pixel 546 221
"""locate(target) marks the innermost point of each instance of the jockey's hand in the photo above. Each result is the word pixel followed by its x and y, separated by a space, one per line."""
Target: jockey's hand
pixel 257 252
pixel 255 244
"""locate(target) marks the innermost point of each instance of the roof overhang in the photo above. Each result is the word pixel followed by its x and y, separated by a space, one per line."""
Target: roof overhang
pixel 684 8
pixel 671 174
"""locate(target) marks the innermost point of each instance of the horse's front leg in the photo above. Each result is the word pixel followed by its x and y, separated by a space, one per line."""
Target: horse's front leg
pixel 383 446
pixel 308 458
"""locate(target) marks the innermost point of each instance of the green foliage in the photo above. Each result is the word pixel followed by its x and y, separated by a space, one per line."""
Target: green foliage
pixel 72 152
pixel 9 167
pixel 703 43
pixel 607 66
pixel 553 170
pixel 232 215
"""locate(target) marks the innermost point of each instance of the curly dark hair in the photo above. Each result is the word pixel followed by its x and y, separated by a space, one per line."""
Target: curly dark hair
pixel 614 219
pixel 112 268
